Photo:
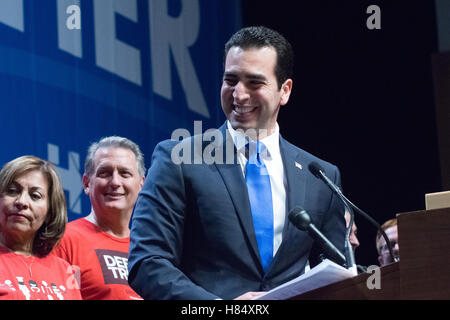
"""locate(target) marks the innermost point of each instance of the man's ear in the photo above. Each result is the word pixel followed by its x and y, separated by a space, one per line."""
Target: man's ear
pixel 86 184
pixel 141 183
pixel 286 89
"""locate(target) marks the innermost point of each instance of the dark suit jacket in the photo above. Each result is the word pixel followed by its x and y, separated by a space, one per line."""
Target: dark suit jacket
pixel 192 234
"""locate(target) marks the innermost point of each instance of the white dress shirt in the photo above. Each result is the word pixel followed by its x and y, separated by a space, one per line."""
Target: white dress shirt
pixel 278 182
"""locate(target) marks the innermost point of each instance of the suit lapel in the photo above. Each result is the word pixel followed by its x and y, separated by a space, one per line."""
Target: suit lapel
pixel 295 170
pixel 237 189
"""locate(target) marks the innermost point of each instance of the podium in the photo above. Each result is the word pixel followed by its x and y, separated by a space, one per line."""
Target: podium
pixel 423 271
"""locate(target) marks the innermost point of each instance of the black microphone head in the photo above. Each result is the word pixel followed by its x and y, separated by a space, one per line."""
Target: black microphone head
pixel 300 218
pixel 315 169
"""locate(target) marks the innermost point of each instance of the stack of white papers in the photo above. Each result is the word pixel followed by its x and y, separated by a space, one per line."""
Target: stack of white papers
pixel 321 275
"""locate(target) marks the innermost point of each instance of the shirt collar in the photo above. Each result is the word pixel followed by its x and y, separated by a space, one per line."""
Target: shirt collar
pixel 272 142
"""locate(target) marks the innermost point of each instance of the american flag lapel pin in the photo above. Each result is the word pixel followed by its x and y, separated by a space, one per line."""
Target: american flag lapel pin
pixel 298 165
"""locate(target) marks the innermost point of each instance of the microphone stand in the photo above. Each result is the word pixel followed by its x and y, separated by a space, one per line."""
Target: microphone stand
pixel 349 254
pixel 348 203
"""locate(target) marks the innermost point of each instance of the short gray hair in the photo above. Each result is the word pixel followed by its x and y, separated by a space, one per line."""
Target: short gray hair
pixel 114 142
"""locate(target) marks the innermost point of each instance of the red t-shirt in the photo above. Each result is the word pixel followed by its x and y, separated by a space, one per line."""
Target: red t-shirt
pixel 34 278
pixel 101 258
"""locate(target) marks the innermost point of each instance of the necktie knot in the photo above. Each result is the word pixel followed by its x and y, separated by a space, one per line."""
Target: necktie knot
pixel 257 146
pixel 256 152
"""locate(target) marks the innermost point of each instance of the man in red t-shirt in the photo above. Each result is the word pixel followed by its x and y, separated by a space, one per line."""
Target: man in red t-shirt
pixel 98 244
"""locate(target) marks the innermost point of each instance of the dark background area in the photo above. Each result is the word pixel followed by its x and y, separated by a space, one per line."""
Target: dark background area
pixel 363 99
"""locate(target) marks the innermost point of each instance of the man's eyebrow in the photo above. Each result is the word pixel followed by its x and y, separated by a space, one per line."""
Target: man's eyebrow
pixel 103 167
pixel 256 77
pixel 229 74
pixel 250 76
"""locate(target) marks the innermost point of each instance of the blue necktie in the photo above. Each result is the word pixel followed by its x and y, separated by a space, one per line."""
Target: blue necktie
pixel 260 196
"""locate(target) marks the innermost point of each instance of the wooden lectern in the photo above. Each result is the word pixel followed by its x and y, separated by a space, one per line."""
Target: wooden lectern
pixel 423 271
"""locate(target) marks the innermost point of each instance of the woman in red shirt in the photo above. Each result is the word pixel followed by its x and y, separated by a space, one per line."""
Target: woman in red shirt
pixel 33 217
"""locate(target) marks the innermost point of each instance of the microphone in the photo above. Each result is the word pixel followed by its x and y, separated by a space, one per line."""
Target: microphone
pixel 301 219
pixel 317 170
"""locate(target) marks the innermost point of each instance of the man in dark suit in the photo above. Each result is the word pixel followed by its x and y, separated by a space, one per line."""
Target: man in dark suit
pixel 219 229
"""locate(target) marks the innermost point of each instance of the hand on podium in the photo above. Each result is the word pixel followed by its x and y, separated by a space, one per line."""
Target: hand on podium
pixel 249 295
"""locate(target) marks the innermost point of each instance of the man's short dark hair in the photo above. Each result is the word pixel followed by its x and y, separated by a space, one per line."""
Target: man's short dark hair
pixel 259 37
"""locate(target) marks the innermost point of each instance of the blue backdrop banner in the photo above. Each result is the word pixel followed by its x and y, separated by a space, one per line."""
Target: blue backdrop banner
pixel 73 71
